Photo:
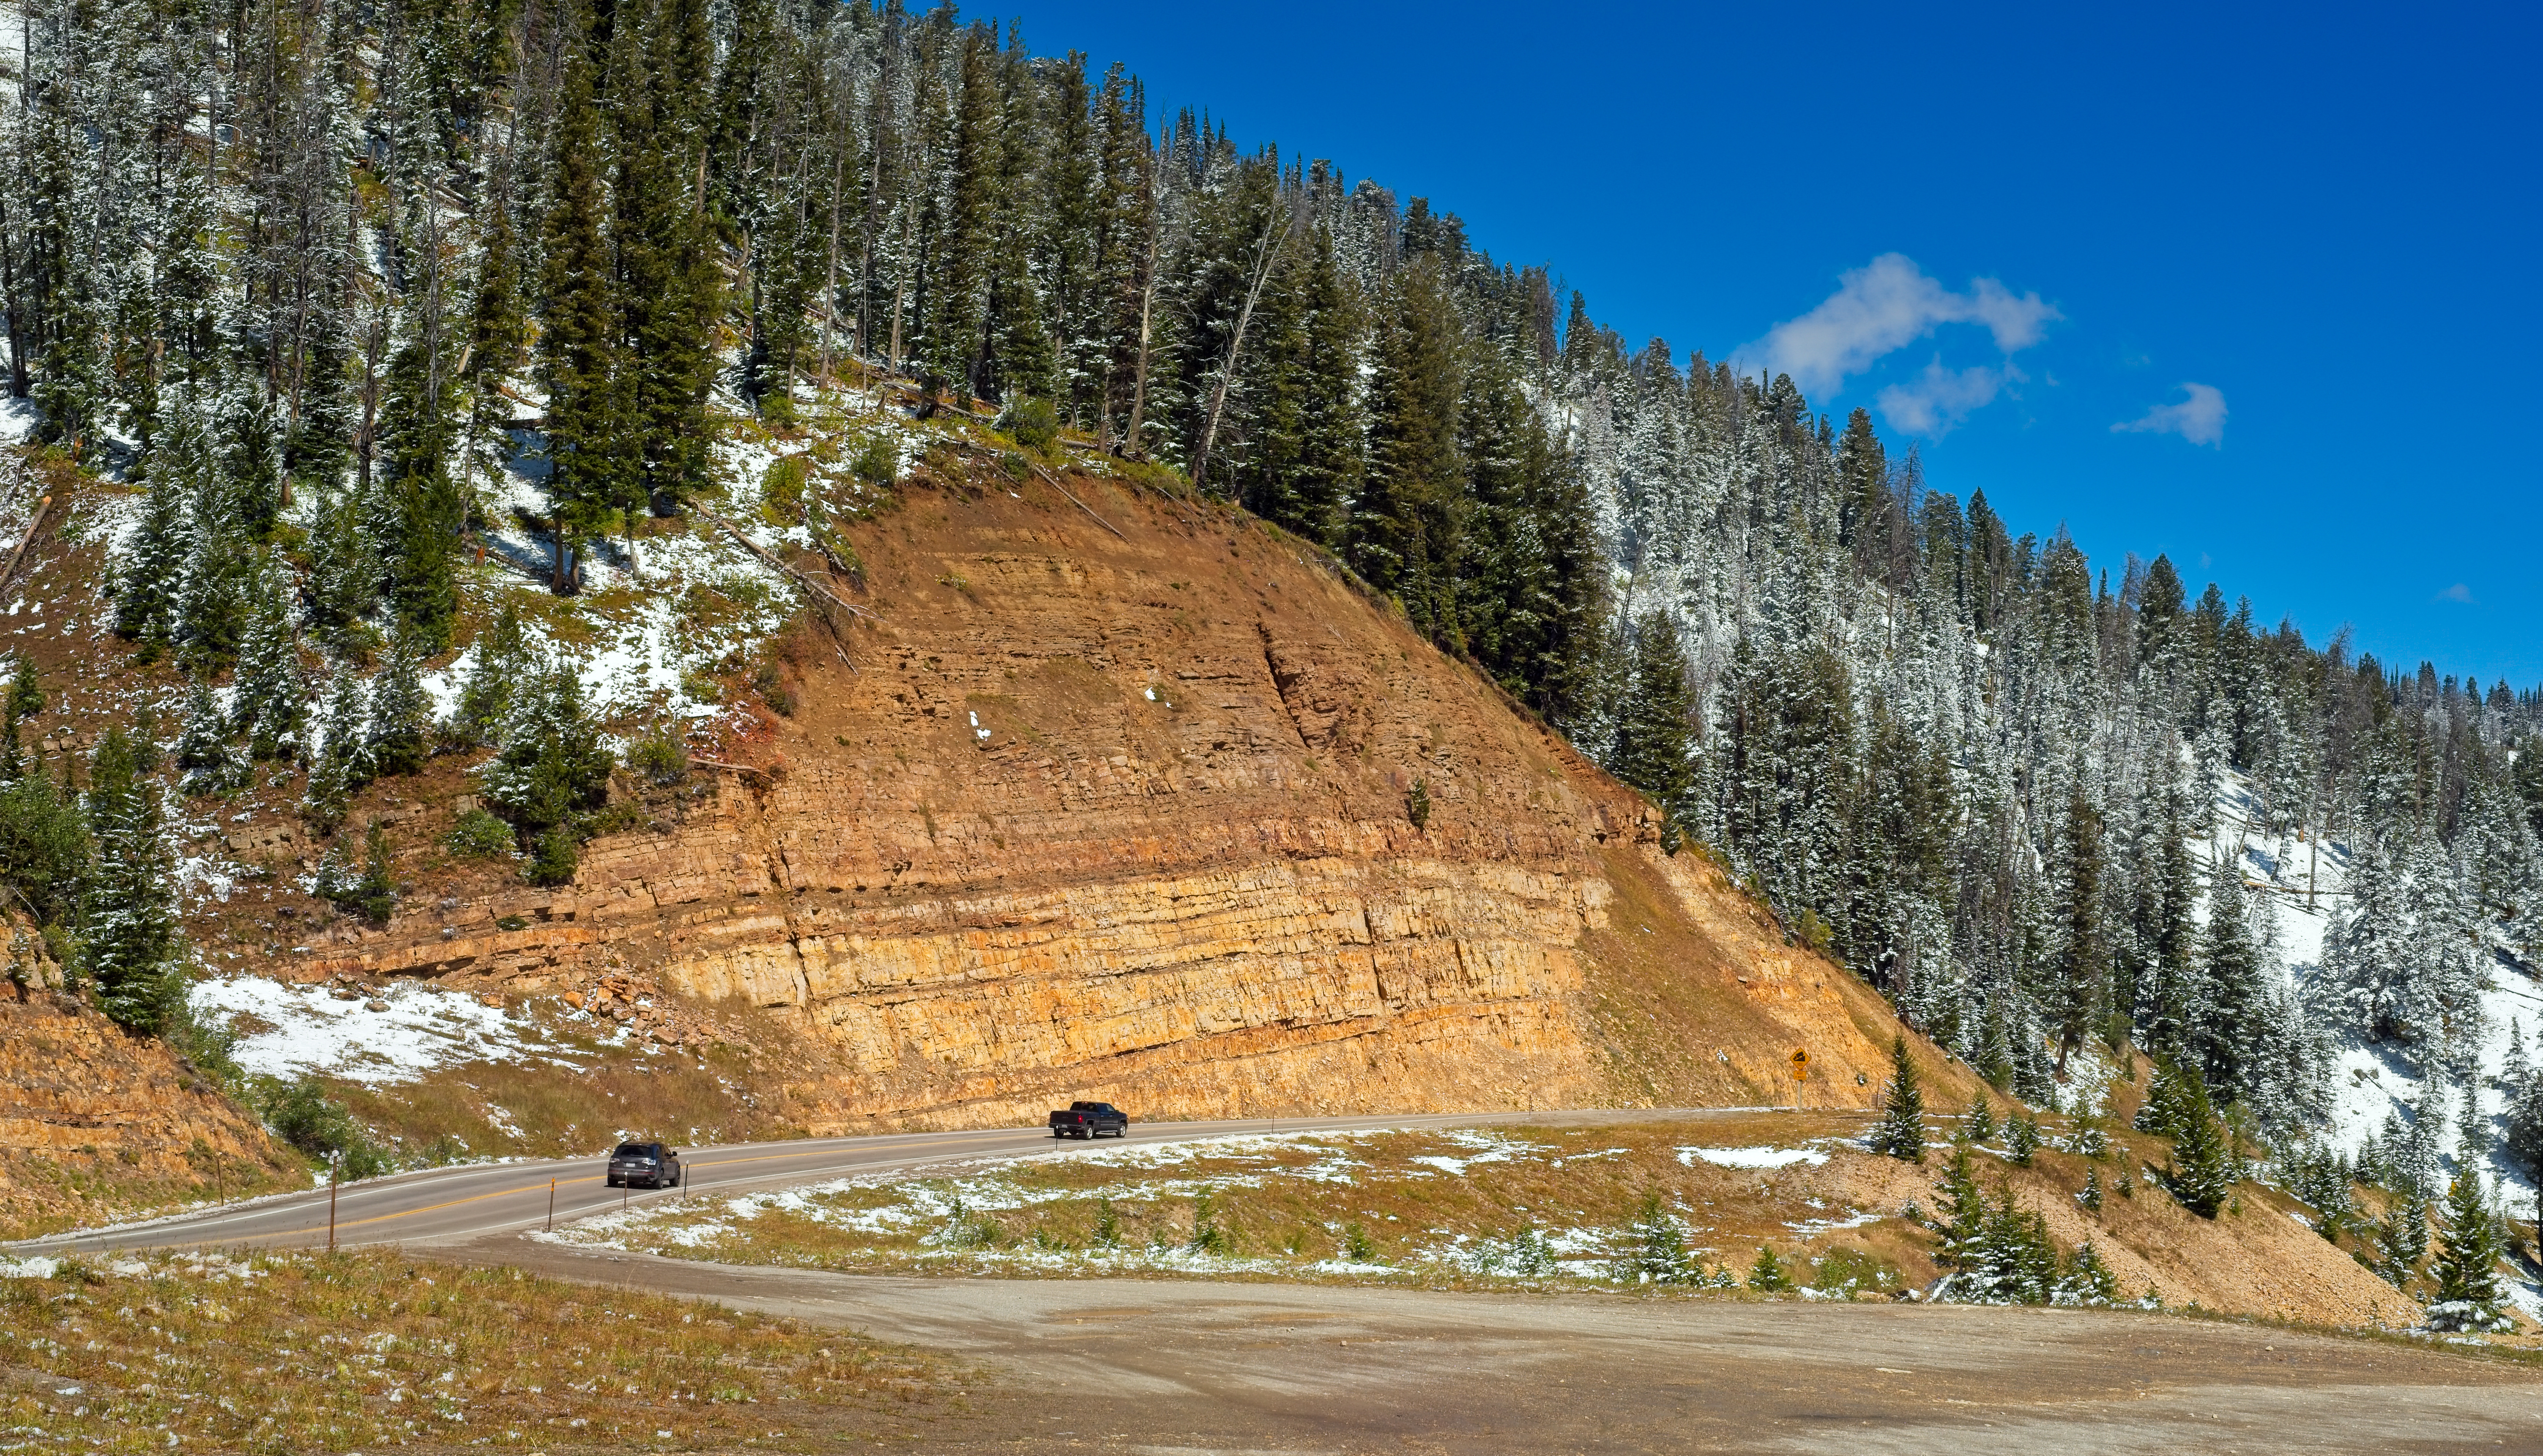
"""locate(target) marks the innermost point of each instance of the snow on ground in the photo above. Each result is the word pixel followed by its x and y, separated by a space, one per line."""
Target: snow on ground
pixel 1751 1157
pixel 18 420
pixel 2372 1082
pixel 293 1031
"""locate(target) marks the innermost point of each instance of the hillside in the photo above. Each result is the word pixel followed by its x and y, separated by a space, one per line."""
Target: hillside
pixel 1079 814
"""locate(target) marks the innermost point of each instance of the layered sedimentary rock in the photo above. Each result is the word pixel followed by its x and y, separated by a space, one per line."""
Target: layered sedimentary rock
pixel 91 1117
pixel 1177 818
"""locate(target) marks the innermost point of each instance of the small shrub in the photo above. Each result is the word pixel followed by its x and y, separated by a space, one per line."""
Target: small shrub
pixel 623 817
pixel 302 1115
pixel 770 684
pixel 552 859
pixel 780 491
pixel 1108 1225
pixel 1208 1237
pixel 1417 805
pixel 479 835
pixel 1844 1271
pixel 1034 422
pixel 1356 1246
pixel 660 756
pixel 875 462
pixel 1768 1276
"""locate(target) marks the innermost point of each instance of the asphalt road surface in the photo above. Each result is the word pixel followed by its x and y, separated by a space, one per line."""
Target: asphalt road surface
pixel 444 1204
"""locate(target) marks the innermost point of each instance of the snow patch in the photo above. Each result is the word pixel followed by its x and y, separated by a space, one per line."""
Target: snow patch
pixel 1751 1157
pixel 296 1030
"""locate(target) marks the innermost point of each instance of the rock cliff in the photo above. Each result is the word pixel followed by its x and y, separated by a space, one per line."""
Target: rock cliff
pixel 1130 798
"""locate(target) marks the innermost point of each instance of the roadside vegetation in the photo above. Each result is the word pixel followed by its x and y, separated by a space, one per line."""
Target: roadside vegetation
pixel 2011 1210
pixel 298 1353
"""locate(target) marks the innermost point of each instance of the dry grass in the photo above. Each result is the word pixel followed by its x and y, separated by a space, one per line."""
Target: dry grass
pixel 291 1353
pixel 542 1111
pixel 1343 1206
pixel 45 1196
pixel 1463 1209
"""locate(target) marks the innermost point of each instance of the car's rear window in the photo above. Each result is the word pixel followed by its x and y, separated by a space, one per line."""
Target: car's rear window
pixel 633 1150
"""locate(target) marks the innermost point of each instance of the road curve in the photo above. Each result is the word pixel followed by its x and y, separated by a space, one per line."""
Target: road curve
pixel 448 1204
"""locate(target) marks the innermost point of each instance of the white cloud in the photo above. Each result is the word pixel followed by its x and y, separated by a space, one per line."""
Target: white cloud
pixel 1885 306
pixel 1935 401
pixel 2200 419
pixel 2460 591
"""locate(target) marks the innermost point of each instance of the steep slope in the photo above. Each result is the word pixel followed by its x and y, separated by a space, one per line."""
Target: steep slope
pixel 94 1119
pixel 1121 796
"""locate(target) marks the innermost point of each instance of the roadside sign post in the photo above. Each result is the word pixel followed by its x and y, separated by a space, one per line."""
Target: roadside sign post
pixel 332 1168
pixel 551 1226
pixel 1801 1074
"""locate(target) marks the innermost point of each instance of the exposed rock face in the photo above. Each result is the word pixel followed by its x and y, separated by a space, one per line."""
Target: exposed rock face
pixel 91 1117
pixel 1133 818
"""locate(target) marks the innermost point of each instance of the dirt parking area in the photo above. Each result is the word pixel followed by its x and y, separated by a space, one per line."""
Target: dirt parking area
pixel 1194 1366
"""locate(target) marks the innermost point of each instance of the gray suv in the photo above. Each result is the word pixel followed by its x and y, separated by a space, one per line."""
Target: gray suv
pixel 643 1164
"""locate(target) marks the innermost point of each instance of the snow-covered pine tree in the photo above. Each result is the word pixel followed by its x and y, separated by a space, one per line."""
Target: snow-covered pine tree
pixel 131 945
pixel 1653 728
pixel 397 735
pixel 2230 1035
pixel 268 701
pixel 552 767
pixel 203 750
pixel 153 569
pixel 1901 1132
pixel 340 766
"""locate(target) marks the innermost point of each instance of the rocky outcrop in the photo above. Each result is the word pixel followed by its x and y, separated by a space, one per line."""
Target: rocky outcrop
pixel 1179 818
pixel 95 1120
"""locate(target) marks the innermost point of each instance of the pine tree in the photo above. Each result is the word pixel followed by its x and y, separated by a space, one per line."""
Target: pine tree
pixel 1404 536
pixel 130 941
pixel 269 697
pixel 589 419
pixel 553 764
pixel 2020 1138
pixel 2202 1173
pixel 155 559
pixel 2228 1037
pixel 1964 1203
pixel 1977 1125
pixel 1655 726
pixel 203 750
pixel 498 663
pixel 340 767
pixel 2469 1249
pixel 2088 1277
pixel 397 737
pixel 2403 1236
pixel 1901 1132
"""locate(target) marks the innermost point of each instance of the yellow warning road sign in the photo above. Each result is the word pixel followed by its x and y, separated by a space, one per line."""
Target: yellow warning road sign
pixel 1801 1063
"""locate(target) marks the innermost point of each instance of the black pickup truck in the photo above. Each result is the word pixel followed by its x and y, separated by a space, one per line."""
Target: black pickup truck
pixel 1090 1119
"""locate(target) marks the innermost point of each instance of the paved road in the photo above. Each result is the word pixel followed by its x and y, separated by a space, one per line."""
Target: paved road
pixel 1194 1366
pixel 443 1205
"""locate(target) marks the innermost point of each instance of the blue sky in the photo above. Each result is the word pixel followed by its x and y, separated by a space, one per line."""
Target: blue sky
pixel 2295 251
